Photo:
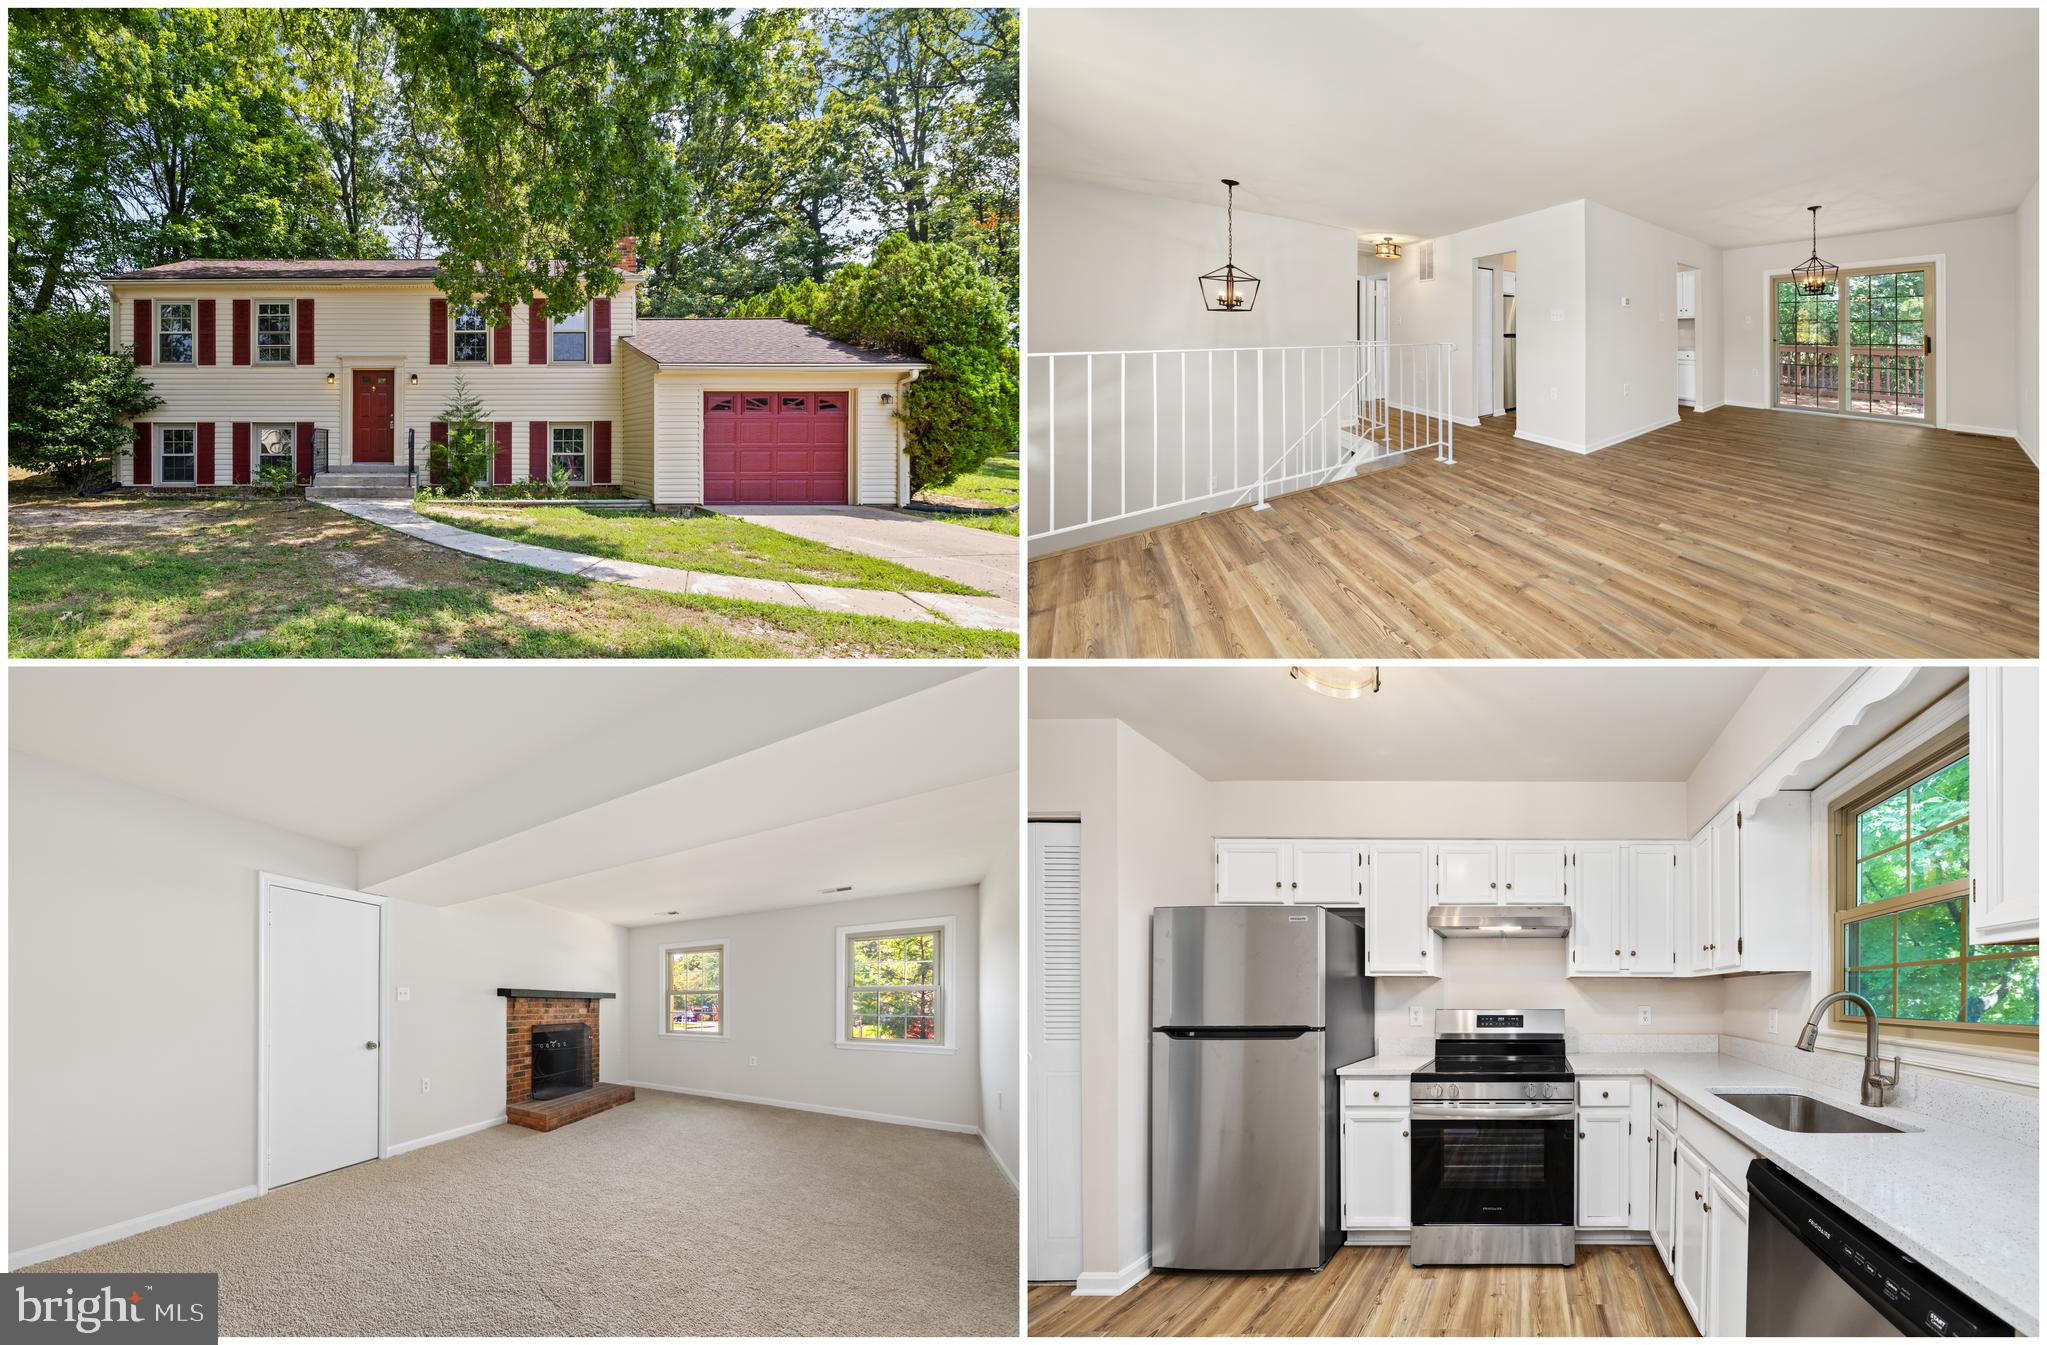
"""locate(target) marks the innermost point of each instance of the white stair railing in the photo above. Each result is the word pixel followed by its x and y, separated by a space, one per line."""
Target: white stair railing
pixel 1118 440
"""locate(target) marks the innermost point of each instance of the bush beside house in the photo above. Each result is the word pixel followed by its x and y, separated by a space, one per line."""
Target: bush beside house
pixel 68 400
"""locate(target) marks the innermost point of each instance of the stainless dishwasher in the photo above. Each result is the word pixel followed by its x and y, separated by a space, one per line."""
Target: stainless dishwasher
pixel 1813 1270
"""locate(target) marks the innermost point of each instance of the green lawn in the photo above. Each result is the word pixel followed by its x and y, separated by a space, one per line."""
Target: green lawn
pixel 994 483
pixel 710 542
pixel 261 579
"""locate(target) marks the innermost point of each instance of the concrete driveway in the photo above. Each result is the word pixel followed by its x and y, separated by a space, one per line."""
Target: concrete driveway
pixel 987 560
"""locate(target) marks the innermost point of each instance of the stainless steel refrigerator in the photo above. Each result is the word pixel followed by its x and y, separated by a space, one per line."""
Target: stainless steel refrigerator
pixel 1253 1010
pixel 1507 345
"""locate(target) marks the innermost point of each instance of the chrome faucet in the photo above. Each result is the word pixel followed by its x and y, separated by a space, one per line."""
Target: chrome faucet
pixel 1874 1080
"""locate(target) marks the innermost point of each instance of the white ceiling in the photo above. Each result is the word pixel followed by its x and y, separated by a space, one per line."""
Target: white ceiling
pixel 463 781
pixel 1426 723
pixel 1720 124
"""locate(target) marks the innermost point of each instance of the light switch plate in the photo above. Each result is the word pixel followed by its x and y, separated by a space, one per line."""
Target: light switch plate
pixel 1773 1022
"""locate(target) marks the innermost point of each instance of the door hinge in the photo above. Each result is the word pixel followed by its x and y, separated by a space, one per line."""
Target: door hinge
pixel 1439 889
pixel 1737 821
pixel 1737 946
pixel 1574 954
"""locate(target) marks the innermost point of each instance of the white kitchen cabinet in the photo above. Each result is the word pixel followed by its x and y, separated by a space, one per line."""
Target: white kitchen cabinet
pixel 1252 872
pixel 1696 953
pixel 1595 909
pixel 1652 877
pixel 1688 377
pixel 1688 294
pixel 1688 1261
pixel 1467 873
pixel 2004 804
pixel 1533 872
pixel 1663 1223
pixel 1726 1211
pixel 1641 1159
pixel 1327 873
pixel 1726 941
pixel 1604 1158
pixel 1376 1158
pixel 1398 894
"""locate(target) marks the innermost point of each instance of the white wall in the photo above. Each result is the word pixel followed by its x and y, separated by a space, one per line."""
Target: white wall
pixel 1446 810
pixel 1785 700
pixel 1631 352
pixel 781 989
pixel 1001 1044
pixel 1979 387
pixel 2027 231
pixel 132 937
pixel 1532 973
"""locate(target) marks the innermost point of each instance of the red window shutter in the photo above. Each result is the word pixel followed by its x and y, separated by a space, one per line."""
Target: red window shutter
pixel 600 450
pixel 600 331
pixel 501 465
pixel 438 432
pixel 241 321
pixel 205 464
pixel 437 331
pixel 501 339
pixel 302 440
pixel 143 466
pixel 536 332
pixel 305 325
pixel 145 339
pixel 536 451
pixel 240 442
pixel 206 331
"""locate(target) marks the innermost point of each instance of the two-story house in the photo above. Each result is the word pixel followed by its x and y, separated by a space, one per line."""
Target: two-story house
pixel 262 362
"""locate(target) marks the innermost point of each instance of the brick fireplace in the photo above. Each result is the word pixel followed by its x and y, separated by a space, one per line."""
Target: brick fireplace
pixel 561 1026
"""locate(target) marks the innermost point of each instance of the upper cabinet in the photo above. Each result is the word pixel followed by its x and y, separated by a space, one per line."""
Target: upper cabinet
pixel 1597 924
pixel 1654 888
pixel 1467 873
pixel 1688 294
pixel 1328 873
pixel 1398 940
pixel 2004 804
pixel 1534 872
pixel 1284 873
pixel 1487 873
pixel 1625 903
pixel 1253 872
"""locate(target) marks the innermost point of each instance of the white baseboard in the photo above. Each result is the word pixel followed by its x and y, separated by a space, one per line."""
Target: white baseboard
pixel 1701 408
pixel 444 1136
pixel 127 1228
pixel 1000 1166
pixel 1985 429
pixel 1109 1283
pixel 885 1118
pixel 1753 406
pixel 1547 442
pixel 1378 1237
pixel 2028 449
pixel 1638 431
pixel 1612 1237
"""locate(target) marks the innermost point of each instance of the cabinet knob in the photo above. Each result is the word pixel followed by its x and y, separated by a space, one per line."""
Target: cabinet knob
pixel 1708 1209
pixel 1492 884
pixel 1403 1134
pixel 1659 1106
pixel 1275 882
pixel 1375 1092
pixel 1648 1139
pixel 1604 1093
pixel 1510 887
pixel 1581 1134
pixel 1425 952
pixel 1616 952
pixel 1698 1195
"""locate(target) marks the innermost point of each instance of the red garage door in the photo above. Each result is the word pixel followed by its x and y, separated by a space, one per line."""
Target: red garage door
pixel 775 448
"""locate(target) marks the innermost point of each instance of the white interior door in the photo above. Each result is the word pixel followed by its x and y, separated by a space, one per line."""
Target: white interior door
pixel 1053 1060
pixel 322 1036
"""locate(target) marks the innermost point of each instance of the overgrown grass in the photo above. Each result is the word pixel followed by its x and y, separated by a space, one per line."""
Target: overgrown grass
pixel 289 580
pixel 710 542
pixel 994 483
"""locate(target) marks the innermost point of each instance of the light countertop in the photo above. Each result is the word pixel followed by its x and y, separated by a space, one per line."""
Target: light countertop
pixel 1963 1202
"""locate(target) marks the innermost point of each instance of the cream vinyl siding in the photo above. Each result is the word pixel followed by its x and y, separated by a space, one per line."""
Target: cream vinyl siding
pixel 632 443
pixel 679 425
pixel 364 325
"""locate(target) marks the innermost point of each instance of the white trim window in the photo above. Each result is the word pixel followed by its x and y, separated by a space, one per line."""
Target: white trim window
pixel 177 455
pixel 894 980
pixel 569 450
pixel 693 990
pixel 274 447
pixel 472 337
pixel 177 340
pixel 569 338
pixel 273 332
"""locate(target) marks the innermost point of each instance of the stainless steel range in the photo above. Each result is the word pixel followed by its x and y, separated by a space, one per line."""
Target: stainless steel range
pixel 1495 1175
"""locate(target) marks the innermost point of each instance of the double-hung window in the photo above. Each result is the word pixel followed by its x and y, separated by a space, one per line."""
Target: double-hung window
pixel 273 332
pixel 693 1005
pixel 569 452
pixel 1901 908
pixel 175 342
pixel 178 456
pixel 273 447
pixel 571 338
pixel 472 337
pixel 893 984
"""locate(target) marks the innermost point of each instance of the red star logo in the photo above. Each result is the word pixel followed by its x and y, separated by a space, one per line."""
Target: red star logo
pixel 134 1298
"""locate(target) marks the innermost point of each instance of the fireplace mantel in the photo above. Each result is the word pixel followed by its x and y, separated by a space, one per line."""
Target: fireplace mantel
pixel 557 994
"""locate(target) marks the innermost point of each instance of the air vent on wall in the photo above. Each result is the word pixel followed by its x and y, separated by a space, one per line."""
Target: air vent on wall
pixel 1425 257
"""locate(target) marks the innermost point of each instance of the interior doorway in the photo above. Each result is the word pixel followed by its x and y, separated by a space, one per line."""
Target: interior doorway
pixel 1496 365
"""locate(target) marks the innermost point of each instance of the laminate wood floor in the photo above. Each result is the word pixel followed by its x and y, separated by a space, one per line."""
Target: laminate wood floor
pixel 1733 533
pixel 1373 1291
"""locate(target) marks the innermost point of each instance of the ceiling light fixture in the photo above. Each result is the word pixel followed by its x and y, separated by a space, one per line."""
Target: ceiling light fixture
pixel 1387 250
pixel 1230 289
pixel 1813 275
pixel 1344 681
pixel 834 891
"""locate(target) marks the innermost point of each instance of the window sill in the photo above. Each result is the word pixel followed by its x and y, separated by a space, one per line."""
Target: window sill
pixel 692 1036
pixel 894 1046
pixel 1975 1062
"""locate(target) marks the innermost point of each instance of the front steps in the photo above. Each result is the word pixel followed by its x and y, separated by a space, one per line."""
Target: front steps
pixel 361 481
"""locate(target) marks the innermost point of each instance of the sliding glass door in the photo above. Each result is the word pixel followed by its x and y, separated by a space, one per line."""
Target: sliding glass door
pixel 1864 348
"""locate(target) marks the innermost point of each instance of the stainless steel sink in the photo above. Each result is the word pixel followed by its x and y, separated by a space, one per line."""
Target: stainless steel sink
pixel 1806 1115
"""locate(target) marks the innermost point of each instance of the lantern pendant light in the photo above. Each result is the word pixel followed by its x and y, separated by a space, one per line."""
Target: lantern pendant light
pixel 1230 289
pixel 1387 249
pixel 1813 275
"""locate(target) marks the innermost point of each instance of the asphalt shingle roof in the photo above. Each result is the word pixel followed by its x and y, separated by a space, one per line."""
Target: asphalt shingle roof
pixel 203 268
pixel 731 342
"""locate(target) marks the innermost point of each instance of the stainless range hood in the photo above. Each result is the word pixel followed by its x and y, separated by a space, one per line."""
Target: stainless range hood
pixel 1500 922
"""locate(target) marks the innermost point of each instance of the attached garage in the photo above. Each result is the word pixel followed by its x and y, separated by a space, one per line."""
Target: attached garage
pixel 760 411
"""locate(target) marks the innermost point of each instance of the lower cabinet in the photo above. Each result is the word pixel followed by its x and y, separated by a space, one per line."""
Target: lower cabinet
pixel 1604 1155
pixel 1701 1221
pixel 1377 1156
pixel 1663 1223
pixel 1726 1208
pixel 1688 1258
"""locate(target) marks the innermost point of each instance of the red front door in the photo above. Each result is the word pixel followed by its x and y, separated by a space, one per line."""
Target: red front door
pixel 775 447
pixel 373 415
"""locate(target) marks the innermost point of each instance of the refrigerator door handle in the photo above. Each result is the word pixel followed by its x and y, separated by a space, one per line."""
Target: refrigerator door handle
pixel 1234 1033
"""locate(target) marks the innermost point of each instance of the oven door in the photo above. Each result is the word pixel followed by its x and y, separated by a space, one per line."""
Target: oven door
pixel 1494 1163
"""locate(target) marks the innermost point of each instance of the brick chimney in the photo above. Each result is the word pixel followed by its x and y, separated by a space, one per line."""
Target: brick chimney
pixel 628 253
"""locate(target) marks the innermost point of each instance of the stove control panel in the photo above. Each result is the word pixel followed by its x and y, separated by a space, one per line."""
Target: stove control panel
pixel 1438 1091
pixel 1543 1090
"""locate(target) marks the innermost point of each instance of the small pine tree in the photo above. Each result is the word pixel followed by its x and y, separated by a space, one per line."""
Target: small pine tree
pixel 464 461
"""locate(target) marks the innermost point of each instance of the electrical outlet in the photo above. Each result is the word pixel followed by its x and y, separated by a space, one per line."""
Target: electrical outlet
pixel 1642 1015
pixel 1773 1022
pixel 753 1060
pixel 1626 302
pixel 426 1085
pixel 404 994
pixel 1627 389
pixel 1414 1015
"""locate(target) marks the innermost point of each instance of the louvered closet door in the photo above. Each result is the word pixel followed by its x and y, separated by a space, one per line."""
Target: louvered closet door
pixel 1054 1063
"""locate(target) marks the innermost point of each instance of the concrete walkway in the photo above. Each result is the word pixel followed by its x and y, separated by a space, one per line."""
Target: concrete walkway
pixel 983 560
pixel 980 613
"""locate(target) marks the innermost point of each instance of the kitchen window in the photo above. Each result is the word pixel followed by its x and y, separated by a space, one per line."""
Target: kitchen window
pixel 273 448
pixel 472 337
pixel 892 986
pixel 1901 908
pixel 273 333
pixel 694 1003
pixel 178 456
pixel 571 339
pixel 568 453
pixel 175 343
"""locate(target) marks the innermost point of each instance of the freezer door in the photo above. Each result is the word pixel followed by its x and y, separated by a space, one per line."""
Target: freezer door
pixel 1239 1158
pixel 1236 966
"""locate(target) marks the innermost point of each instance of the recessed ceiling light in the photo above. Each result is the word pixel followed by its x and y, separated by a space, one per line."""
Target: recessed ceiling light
pixel 1344 681
pixel 834 891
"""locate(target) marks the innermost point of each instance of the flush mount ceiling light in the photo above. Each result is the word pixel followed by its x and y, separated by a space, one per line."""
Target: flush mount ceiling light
pixel 834 891
pixel 1230 289
pixel 1344 681
pixel 1813 275
pixel 1386 249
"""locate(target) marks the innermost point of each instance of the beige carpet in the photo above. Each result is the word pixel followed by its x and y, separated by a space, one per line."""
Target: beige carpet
pixel 669 1216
